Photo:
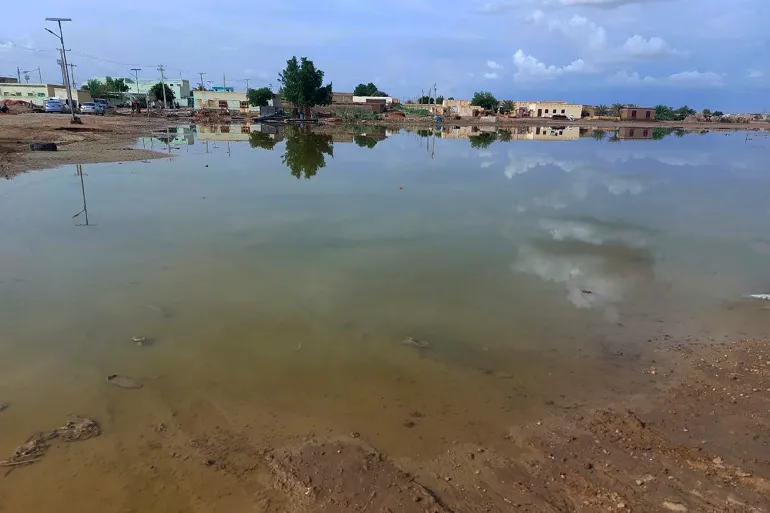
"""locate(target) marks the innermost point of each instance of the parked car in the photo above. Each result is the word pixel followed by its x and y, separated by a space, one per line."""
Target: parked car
pixel 103 103
pixel 92 108
pixel 58 106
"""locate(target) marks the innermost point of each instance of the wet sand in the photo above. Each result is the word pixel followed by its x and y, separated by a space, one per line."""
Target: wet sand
pixel 99 139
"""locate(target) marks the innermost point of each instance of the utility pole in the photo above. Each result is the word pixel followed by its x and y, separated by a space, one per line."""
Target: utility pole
pixel 72 75
pixel 18 73
pixel 224 81
pixel 247 85
pixel 136 74
pixel 201 74
pixel 161 68
pixel 60 62
pixel 64 61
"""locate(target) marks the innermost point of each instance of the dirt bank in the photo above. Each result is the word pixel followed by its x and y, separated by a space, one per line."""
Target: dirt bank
pixel 98 139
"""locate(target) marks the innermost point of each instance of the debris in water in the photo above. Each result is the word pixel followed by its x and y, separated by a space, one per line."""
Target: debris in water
pixel 421 344
pixel 3 406
pixel 123 381
pixel 76 429
pixel 140 341
pixel 587 292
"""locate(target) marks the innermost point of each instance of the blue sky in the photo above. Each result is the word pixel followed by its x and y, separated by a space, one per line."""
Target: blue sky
pixel 706 53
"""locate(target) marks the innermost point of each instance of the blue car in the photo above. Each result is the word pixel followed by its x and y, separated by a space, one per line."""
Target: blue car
pixel 92 108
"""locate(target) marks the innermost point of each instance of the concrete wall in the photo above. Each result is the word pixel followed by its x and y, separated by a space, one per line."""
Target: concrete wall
pixel 39 93
pixel 180 86
pixel 342 97
pixel 232 101
pixel 364 99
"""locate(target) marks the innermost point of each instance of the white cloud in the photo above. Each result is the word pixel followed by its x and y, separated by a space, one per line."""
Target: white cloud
pixel 536 16
pixel 579 27
pixel 494 65
pixel 637 46
pixel 601 3
pixel 529 67
pixel 688 78
pixel 491 76
pixel 487 163
pixel 6 45
pixel 755 73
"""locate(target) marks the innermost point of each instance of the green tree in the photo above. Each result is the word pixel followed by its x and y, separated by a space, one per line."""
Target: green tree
pixel 305 150
pixel 718 113
pixel 504 135
pixel 425 100
pixel 259 97
pixel 507 107
pixel 664 113
pixel 602 110
pixel 451 98
pixel 598 134
pixel 116 85
pixel 302 84
pixel 485 100
pixel 262 140
pixel 683 112
pixel 157 92
pixel 659 133
pixel 482 140
pixel 365 141
pixel 706 112
pixel 96 88
pixel 439 100
pixel 368 90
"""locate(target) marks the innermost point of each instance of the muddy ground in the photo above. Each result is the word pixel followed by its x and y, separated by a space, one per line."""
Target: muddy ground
pixel 695 438
pixel 99 139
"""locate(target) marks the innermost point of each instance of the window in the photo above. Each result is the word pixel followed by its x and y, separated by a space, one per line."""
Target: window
pixel 562 111
pixel 244 105
pixel 30 94
pixel 645 131
pixel 222 104
pixel 648 114
pixel 631 133
pixel 546 111
pixel 633 113
pixel 224 129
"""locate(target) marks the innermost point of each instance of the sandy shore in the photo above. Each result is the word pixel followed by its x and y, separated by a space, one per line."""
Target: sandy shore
pixel 98 139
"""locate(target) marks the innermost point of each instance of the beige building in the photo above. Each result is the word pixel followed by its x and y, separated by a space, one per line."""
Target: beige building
pixel 547 109
pixel 39 93
pixel 462 108
pixel 546 133
pixel 233 101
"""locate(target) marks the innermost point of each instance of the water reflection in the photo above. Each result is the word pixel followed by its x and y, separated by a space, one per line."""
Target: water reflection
pixel 84 211
pixel 305 151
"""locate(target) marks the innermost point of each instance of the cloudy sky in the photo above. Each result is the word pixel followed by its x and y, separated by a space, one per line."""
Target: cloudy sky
pixel 706 53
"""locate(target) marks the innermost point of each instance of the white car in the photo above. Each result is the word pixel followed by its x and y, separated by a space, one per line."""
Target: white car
pixel 92 108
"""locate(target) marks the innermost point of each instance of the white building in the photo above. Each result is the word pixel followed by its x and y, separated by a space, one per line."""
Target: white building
pixel 364 99
pixel 179 86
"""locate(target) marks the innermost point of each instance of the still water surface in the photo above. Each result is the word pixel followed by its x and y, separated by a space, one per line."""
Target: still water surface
pixel 277 274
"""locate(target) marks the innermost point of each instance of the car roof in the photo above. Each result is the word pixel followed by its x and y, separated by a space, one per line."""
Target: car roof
pixel 89 103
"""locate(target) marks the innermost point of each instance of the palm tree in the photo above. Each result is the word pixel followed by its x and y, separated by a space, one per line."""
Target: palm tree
pixel 602 110
pixel 615 110
pixel 598 135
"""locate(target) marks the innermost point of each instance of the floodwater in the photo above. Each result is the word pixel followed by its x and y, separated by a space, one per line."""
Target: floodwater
pixel 276 275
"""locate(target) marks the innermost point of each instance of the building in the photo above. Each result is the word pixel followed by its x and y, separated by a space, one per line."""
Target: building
pixel 342 97
pixel 627 133
pixel 222 89
pixel 39 93
pixel 233 101
pixel 179 86
pixel 547 109
pixel 637 114
pixel 371 99
pixel 9 80
pixel 462 108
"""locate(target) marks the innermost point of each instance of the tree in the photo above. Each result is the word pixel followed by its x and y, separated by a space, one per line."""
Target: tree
pixel 304 153
pixel 683 112
pixel 664 113
pixel 602 110
pixel 482 140
pixel 365 141
pixel 259 97
pixel 615 109
pixel 706 112
pixel 262 140
pixel 718 113
pixel 599 134
pixel 301 84
pixel 451 98
pixel 484 99
pixel 504 135
pixel 157 92
pixel 439 100
pixel 368 90
pixel 424 100
pixel 116 85
pixel 96 88
pixel 507 107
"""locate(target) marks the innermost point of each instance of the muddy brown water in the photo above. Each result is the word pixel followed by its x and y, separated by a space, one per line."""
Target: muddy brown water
pixel 278 275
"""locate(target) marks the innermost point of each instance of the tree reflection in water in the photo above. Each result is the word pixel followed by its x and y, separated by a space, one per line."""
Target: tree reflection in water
pixel 305 150
pixel 262 140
